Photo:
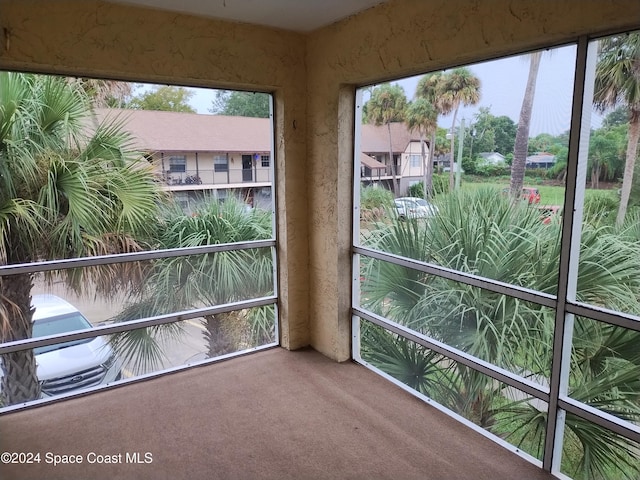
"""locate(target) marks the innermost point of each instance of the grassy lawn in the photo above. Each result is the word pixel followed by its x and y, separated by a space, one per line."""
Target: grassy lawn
pixel 549 194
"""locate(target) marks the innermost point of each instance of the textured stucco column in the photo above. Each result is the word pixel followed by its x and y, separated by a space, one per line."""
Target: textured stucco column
pixel 392 40
pixel 95 39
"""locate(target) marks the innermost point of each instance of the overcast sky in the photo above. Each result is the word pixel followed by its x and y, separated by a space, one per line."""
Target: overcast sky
pixel 502 89
pixel 502 85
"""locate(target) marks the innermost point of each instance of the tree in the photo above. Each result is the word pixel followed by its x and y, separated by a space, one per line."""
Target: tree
pixel 606 148
pixel 504 131
pixel 64 193
pixel 165 98
pixel 386 105
pixel 618 83
pixel 459 87
pixel 422 116
pixel 482 133
pixel 428 89
pixel 619 116
pixel 105 93
pixel 184 283
pixel 506 241
pixel 241 104
pixel 520 149
pixel 489 133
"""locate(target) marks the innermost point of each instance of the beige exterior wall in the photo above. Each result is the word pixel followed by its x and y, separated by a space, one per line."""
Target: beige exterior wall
pixel 413 148
pixel 203 166
pixel 313 78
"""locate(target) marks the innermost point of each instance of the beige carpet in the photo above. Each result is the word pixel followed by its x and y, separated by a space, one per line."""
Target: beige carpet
pixel 271 415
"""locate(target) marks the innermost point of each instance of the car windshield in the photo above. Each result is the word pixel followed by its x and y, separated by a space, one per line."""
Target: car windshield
pixel 421 202
pixel 60 324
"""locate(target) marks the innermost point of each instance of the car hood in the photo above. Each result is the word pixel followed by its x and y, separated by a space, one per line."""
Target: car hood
pixel 73 359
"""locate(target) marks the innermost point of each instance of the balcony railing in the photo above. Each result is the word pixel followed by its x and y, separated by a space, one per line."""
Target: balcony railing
pixel 367 173
pixel 214 177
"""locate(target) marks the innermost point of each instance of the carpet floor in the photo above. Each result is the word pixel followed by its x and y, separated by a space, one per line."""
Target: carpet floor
pixel 274 414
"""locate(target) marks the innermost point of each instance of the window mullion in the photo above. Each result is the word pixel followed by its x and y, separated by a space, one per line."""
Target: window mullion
pixel 570 248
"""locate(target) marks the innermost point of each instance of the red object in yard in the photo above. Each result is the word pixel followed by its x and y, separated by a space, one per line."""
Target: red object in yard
pixel 548 212
pixel 532 195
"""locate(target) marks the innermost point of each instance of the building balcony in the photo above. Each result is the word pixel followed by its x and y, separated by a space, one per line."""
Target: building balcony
pixel 376 174
pixel 205 179
pixel 271 414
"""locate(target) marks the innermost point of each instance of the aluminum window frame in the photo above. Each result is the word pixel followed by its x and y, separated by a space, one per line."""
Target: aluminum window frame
pixel 177 163
pixel 220 163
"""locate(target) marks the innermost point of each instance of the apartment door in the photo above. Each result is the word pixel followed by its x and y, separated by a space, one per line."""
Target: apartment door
pixel 247 168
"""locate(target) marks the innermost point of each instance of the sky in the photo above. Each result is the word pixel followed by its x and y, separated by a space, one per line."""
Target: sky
pixel 502 88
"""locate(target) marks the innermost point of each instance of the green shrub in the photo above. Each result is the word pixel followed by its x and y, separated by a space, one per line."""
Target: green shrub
pixel 416 190
pixel 440 184
pixel 558 170
pixel 374 201
pixel 372 197
pixel 536 173
pixel 470 165
pixel 489 170
pixel 600 207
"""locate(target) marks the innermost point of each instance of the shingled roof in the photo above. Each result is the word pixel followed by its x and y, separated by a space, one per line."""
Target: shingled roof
pixel 157 131
pixel 178 132
pixel 375 139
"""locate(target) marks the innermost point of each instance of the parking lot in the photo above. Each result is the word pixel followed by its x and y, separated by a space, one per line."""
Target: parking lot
pixel 188 348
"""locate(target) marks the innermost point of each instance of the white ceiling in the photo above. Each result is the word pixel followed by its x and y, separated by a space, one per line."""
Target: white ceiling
pixel 295 15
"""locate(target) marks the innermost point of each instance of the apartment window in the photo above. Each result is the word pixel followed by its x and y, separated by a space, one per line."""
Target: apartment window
pixel 265 160
pixel 415 160
pixel 220 163
pixel 178 164
pixel 478 301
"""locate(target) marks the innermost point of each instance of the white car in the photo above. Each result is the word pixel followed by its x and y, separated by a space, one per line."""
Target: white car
pixel 72 365
pixel 414 207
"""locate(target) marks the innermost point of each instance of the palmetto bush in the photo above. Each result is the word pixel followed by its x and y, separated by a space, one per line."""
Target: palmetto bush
pixel 482 233
pixel 203 280
pixel 69 187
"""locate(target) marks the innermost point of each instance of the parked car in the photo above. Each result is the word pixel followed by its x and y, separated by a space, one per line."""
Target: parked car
pixel 414 207
pixel 73 365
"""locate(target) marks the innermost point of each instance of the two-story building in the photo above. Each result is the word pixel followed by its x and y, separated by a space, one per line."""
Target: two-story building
pixel 197 155
pixel 219 155
pixel 407 163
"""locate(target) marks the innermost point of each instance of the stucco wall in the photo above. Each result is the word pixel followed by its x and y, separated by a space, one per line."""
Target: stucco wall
pixel 91 38
pixel 401 38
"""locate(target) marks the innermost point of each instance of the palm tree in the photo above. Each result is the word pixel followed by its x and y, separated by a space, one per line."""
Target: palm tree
pixel 618 82
pixel 63 194
pixel 386 105
pixel 521 146
pixel 459 87
pixel 429 89
pixel 105 93
pixel 184 283
pixel 422 116
pixel 485 234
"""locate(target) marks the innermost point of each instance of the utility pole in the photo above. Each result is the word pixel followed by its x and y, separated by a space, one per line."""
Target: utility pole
pixel 459 163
